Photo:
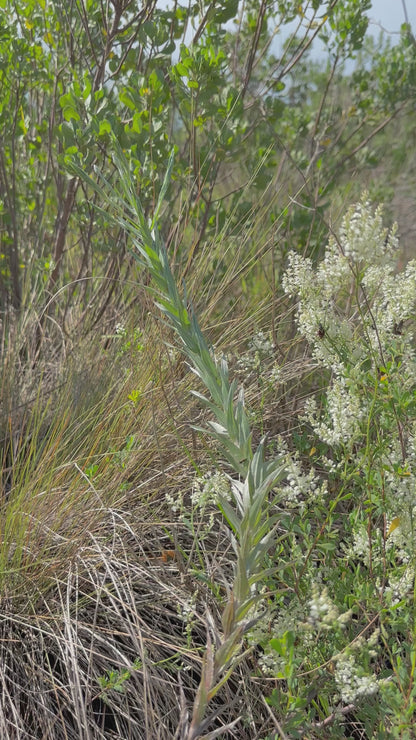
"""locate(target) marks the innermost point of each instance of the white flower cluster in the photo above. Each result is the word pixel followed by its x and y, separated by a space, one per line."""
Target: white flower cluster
pixel 399 536
pixel 352 309
pixel 300 488
pixel 363 237
pixel 187 611
pixel 400 495
pixel 205 492
pixel 209 488
pixel 401 490
pixel 352 681
pixel 359 547
pixel 393 301
pixel 398 539
pixel 120 330
pixel 323 613
pixel 272 624
pixel 345 410
pixel 317 291
pixel 400 586
pixel 276 374
pixel 322 610
pixel 260 347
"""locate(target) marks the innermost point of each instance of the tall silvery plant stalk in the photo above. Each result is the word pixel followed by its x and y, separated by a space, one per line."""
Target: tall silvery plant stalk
pixel 252 528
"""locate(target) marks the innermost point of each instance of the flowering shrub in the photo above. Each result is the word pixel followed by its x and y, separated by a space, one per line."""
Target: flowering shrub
pixel 339 638
pixel 356 314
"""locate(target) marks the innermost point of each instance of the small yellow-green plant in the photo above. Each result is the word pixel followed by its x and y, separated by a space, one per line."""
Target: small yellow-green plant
pixel 114 680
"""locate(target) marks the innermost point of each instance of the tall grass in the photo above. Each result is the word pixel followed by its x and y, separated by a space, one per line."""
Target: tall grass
pixel 247 514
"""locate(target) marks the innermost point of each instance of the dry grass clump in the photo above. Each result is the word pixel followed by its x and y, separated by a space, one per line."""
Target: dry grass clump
pixel 86 592
pixel 107 651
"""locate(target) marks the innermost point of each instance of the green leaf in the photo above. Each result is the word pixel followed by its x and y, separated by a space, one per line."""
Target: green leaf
pixel 126 99
pixel 137 122
pixel 70 114
pixel 87 89
pixel 228 11
pixel 105 127
pixel 181 69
